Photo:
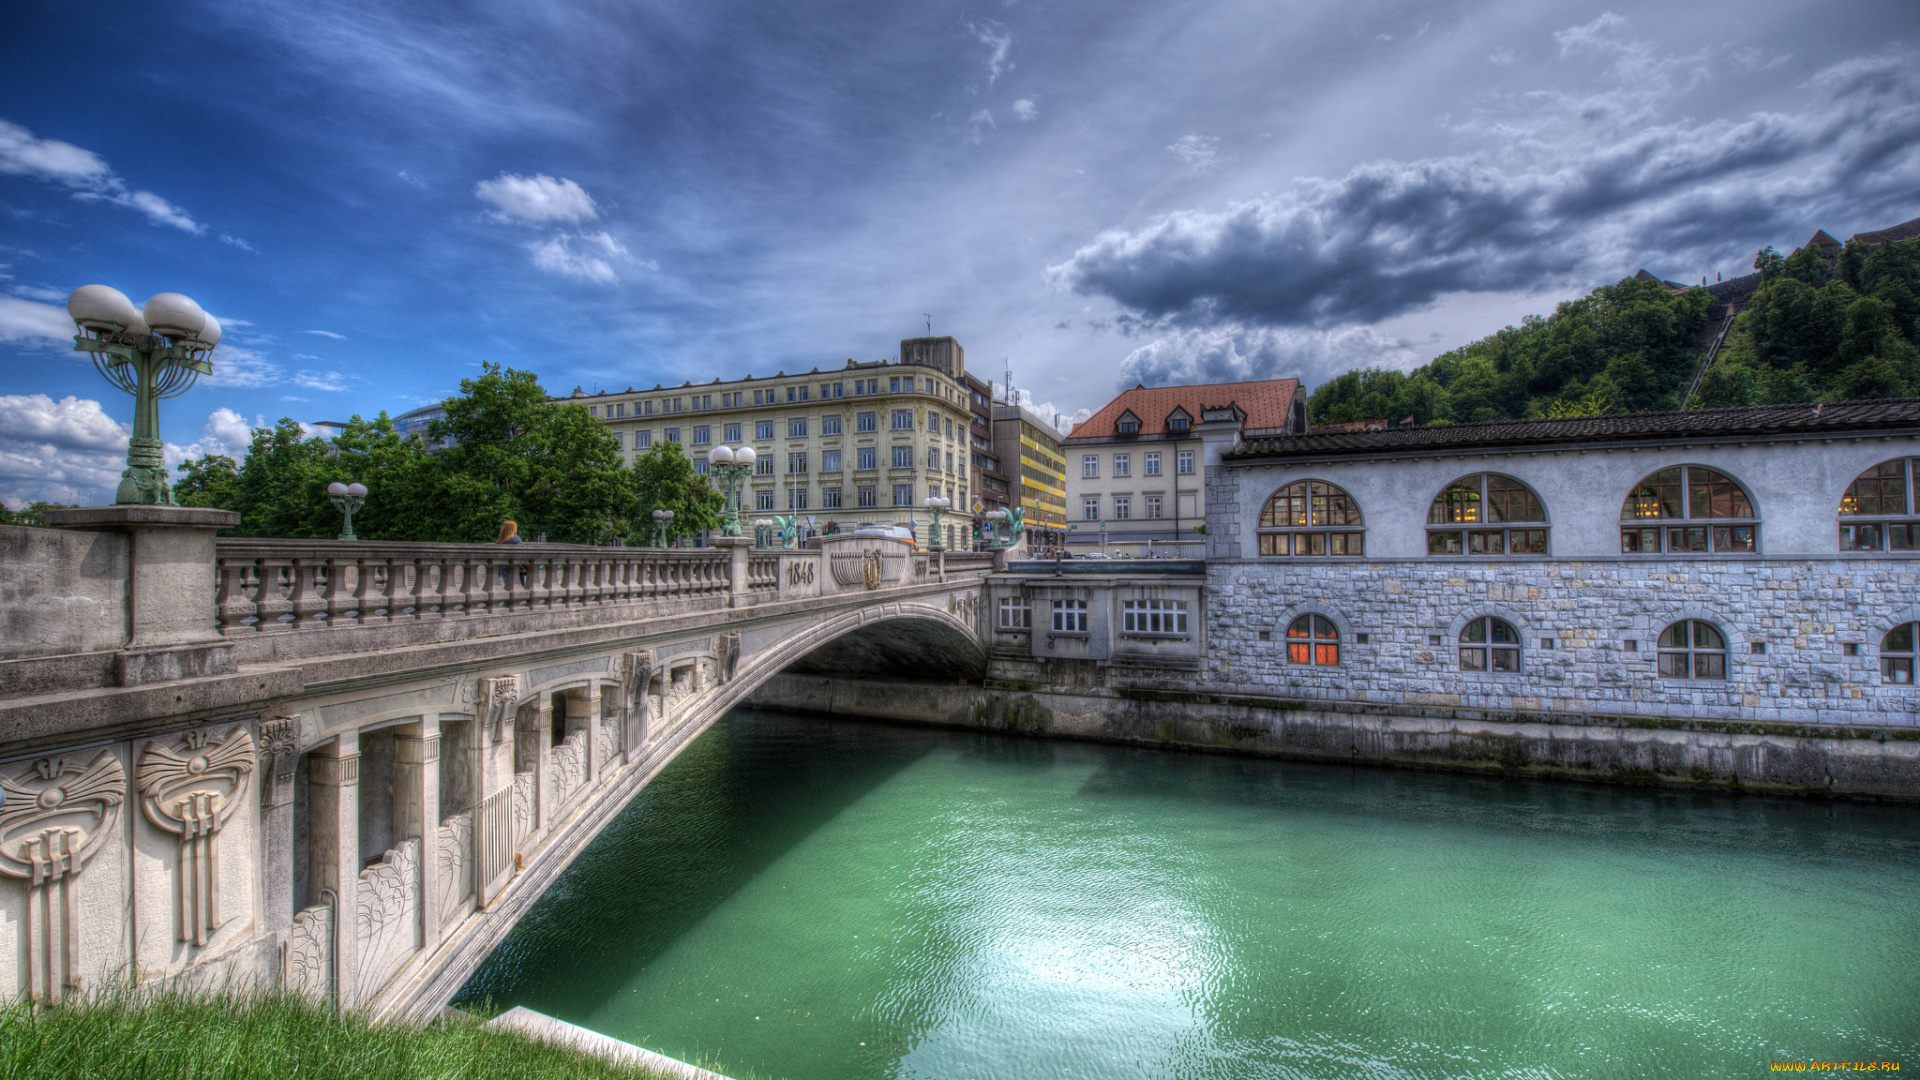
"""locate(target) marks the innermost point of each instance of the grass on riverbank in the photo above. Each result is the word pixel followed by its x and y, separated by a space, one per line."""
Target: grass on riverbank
pixel 176 1037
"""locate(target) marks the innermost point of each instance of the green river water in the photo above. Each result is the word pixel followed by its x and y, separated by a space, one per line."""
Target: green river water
pixel 842 901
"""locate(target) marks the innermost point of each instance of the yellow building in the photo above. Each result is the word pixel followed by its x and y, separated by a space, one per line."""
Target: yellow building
pixel 1029 450
pixel 867 443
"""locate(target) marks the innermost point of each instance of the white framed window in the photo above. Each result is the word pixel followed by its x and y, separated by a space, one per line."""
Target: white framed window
pixel 830 498
pixel 866 421
pixel 1090 508
pixel 1089 466
pixel 829 461
pixel 1122 507
pixel 673 434
pixel 1016 613
pixel 1153 506
pixel 867 458
pixel 763 465
pixel 903 457
pixel 903 494
pixel 1150 463
pixel 797 427
pixel 1123 464
pixel 642 439
pixel 868 494
pixel 763 429
pixel 1183 461
pixel 1069 616
pixel 763 500
pixel 797 498
pixel 903 419
pixel 1166 618
pixel 830 424
pixel 797 463
pixel 702 435
pixel 731 433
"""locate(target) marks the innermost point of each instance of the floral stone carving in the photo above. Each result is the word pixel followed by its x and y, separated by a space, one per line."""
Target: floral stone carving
pixel 190 788
pixel 53 817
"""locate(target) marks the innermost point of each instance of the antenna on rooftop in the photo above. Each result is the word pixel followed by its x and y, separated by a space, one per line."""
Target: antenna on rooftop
pixel 1009 384
pixel 929 326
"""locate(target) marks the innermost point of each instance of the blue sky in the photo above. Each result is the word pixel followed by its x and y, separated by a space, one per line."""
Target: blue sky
pixel 375 197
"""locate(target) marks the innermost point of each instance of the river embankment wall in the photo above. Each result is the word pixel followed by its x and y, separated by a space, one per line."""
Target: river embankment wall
pixel 1861 762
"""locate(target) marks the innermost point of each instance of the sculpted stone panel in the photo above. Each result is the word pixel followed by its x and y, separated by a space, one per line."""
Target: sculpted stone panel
pixel 569 767
pixel 309 970
pixel 54 814
pixel 387 915
pixel 453 856
pixel 499 698
pixel 523 784
pixel 190 785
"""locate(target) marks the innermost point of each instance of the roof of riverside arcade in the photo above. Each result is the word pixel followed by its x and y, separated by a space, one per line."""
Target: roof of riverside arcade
pixel 1750 423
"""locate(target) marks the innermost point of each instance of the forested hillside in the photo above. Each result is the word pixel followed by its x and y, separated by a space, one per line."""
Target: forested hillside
pixel 1821 326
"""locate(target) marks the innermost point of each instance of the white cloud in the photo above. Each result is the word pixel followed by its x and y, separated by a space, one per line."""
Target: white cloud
pixel 980 123
pixel 331 381
pixel 1026 109
pixel 1201 153
pixel 240 368
pixel 239 243
pixel 1188 355
pixel 226 432
pixel 28 320
pixel 326 334
pixel 586 256
pixel 1057 418
pixel 536 199
pixel 66 451
pixel 999 41
pixel 86 173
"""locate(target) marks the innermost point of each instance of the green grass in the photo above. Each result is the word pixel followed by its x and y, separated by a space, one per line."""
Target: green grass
pixel 176 1037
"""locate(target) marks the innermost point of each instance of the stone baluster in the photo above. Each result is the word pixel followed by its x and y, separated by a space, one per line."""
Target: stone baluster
pixel 390 590
pixel 417 596
pixel 270 598
pixel 341 596
pixel 233 602
pixel 306 598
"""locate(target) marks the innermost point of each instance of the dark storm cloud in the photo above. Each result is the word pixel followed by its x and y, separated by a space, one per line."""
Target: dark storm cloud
pixel 1391 236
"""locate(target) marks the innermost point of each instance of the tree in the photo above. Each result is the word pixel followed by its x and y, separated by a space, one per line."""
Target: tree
pixel 33 514
pixel 664 479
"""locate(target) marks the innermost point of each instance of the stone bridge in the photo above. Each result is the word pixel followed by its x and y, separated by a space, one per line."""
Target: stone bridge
pixel 348 768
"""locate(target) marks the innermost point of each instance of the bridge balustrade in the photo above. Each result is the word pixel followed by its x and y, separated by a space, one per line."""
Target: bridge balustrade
pixel 271 585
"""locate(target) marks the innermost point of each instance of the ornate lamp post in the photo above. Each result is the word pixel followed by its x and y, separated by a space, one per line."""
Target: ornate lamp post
pixel 731 467
pixel 660 520
pixel 759 524
pixel 347 498
pixel 937 505
pixel 1016 524
pixel 152 353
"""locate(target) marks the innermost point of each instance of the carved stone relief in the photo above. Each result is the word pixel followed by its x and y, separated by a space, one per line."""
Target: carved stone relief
pixel 499 699
pixel 280 745
pixel 569 767
pixel 386 915
pixel 454 865
pixel 53 816
pixel 189 786
pixel 522 804
pixel 729 654
pixel 309 968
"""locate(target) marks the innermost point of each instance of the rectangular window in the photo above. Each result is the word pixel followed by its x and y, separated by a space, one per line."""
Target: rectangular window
pixel 903 419
pixel 1639 541
pixel 1687 539
pixel 763 500
pixel 829 461
pixel 949 461
pixel 642 439
pixel 1090 508
pixel 763 465
pixel 933 460
pixel 933 491
pixel 869 458
pixel 702 435
pixel 700 466
pixel 1016 613
pixel 619 440
pixel 731 433
pixel 1183 461
pixel 839 390
pixel 903 494
pixel 830 498
pixel 1122 507
pixel 673 434
pixel 830 424
pixel 1090 466
pixel 1859 538
pixel 869 496
pixel 1122 465
pixel 866 421
pixel 1153 506
pixel 797 428
pixel 903 457
pixel 797 498
pixel 797 463
pixel 1069 616
pixel 1733 538
pixel 1166 617
pixel 1527 541
pixel 1150 463
pixel 949 428
pixel 763 429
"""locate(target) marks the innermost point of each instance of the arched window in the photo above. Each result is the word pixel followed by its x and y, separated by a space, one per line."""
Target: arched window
pixel 1897 654
pixel 1682 495
pixel 1493 503
pixel 1691 649
pixel 1313 639
pixel 1880 492
pixel 1309 517
pixel 1490 644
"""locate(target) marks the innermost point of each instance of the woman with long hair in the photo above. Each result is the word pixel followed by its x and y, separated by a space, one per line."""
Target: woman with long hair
pixel 509 533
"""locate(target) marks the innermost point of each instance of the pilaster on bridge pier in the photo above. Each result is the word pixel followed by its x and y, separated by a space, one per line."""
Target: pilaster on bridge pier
pixel 347 768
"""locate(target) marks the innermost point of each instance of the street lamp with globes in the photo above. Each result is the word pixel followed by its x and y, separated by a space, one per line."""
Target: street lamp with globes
pixel 347 498
pixel 731 467
pixel 937 505
pixel 661 519
pixel 153 352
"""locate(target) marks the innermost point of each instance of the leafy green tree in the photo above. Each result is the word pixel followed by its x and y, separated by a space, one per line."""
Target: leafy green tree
pixel 212 481
pixel 33 514
pixel 664 479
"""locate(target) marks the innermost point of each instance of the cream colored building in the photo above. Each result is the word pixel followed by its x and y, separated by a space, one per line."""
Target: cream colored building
pixel 867 443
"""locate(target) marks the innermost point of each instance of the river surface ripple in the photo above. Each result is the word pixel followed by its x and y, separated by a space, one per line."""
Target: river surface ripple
pixel 826 900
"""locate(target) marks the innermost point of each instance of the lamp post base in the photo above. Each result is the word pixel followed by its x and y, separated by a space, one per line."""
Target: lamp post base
pixel 144 483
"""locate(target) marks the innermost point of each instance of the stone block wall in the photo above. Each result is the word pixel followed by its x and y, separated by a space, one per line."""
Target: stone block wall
pixel 1805 613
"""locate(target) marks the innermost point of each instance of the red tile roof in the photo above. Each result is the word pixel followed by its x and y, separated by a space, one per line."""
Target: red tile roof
pixel 1267 404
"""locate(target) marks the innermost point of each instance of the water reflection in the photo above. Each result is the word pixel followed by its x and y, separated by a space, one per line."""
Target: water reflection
pixel 806 899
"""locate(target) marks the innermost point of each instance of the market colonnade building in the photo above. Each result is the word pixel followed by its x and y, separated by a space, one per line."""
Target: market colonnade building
pixel 1755 563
